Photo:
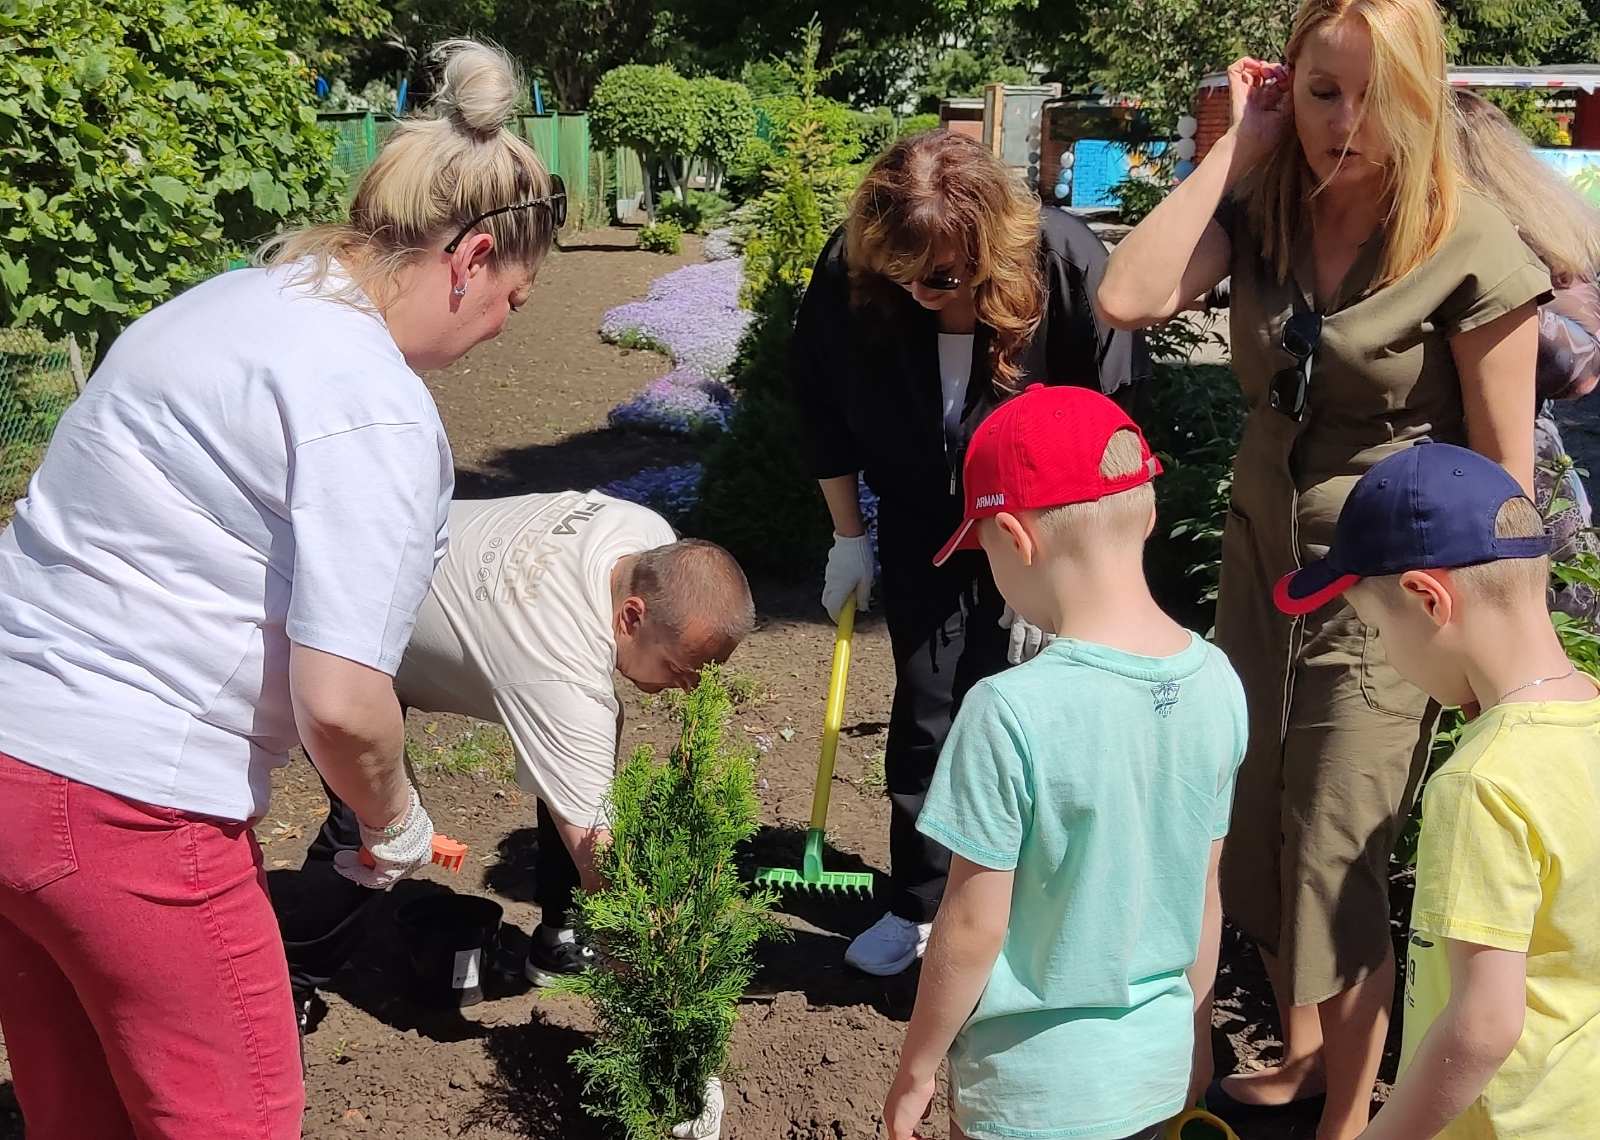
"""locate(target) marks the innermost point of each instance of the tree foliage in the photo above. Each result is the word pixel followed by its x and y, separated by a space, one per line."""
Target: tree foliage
pixel 652 110
pixel 727 118
pixel 143 142
pixel 675 922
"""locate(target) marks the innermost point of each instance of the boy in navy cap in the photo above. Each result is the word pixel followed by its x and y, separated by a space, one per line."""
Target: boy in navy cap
pixel 1084 796
pixel 1438 549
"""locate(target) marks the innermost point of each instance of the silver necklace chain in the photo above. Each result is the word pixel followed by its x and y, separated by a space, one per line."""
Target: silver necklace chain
pixel 1541 681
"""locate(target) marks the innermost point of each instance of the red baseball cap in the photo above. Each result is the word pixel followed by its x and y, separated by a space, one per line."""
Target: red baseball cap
pixel 1039 450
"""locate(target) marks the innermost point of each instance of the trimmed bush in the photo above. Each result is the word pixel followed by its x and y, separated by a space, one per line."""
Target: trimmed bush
pixel 662 237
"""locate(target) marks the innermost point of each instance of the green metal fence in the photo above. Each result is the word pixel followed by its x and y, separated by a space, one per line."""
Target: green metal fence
pixel 562 141
pixel 38 380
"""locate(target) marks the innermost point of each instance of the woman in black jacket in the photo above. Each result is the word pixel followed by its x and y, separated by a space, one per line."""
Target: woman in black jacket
pixel 946 291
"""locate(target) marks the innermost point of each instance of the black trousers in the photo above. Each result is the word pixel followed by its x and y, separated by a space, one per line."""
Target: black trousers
pixel 322 915
pixel 944 628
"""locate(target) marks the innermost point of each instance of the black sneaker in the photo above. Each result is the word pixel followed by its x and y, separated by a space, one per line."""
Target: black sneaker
pixel 309 1010
pixel 546 964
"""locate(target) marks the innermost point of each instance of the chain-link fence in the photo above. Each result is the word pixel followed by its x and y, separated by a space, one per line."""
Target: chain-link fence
pixel 38 379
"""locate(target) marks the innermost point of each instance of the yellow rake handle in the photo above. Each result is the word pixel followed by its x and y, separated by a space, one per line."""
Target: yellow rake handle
pixel 834 717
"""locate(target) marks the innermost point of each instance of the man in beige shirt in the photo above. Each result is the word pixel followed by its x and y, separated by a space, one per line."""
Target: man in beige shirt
pixel 540 601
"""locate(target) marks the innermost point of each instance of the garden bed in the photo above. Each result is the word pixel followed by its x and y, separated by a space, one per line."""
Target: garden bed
pixel 816 1043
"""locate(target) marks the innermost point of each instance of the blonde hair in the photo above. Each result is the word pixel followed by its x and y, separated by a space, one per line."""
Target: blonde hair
pixel 1509 582
pixel 436 173
pixel 1407 95
pixel 1123 518
pixel 1557 224
pixel 937 191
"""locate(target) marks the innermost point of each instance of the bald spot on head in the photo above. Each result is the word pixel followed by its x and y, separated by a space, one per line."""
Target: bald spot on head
pixel 696 597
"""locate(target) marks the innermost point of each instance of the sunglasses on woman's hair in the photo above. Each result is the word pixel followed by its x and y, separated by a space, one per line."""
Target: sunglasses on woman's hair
pixel 556 200
pixel 1292 386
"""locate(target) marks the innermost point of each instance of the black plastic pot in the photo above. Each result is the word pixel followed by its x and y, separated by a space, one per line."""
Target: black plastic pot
pixel 450 940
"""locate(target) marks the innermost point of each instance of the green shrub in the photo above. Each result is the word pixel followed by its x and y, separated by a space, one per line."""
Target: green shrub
pixel 1192 415
pixel 727 121
pixel 758 498
pixel 663 237
pixel 652 110
pixel 144 143
pixel 876 129
pixel 676 923
pixel 1138 197
pixel 701 213
pixel 916 124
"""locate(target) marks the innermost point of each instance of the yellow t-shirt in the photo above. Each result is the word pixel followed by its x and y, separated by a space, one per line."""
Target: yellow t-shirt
pixel 1510 858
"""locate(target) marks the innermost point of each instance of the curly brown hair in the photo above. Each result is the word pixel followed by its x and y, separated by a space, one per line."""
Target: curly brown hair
pixel 938 191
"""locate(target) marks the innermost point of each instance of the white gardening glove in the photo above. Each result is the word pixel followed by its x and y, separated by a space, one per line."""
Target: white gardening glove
pixel 397 852
pixel 1026 638
pixel 849 571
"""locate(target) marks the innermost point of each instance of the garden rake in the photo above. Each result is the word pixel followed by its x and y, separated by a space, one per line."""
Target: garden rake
pixel 811 876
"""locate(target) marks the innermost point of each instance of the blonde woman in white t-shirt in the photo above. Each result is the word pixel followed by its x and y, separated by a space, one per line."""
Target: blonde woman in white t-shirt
pixel 222 556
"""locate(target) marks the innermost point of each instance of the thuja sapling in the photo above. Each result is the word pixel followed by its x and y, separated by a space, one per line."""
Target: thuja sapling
pixel 675 925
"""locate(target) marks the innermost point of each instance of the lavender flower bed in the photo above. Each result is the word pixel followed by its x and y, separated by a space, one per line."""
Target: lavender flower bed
pixel 720 245
pixel 680 403
pixel 693 313
pixel 671 492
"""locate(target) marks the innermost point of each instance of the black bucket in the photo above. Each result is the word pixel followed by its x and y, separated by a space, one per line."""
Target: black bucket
pixel 450 940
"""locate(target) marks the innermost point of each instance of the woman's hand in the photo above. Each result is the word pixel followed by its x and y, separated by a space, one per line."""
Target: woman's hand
pixel 850 570
pixel 1262 98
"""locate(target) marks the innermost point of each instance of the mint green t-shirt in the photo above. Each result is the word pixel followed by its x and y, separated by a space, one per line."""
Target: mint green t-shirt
pixel 1101 778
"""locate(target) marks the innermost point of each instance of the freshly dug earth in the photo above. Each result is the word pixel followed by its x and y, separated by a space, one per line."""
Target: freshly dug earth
pixel 816 1043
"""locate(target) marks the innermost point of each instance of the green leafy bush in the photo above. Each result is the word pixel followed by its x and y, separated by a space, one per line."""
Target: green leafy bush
pixel 758 498
pixel 876 129
pixel 662 237
pixel 652 110
pixel 1192 415
pixel 727 117
pixel 701 212
pixel 1138 196
pixel 676 923
pixel 916 124
pixel 144 142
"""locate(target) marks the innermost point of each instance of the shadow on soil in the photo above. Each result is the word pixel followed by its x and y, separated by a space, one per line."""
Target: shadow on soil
pixel 586 459
pixel 536 1093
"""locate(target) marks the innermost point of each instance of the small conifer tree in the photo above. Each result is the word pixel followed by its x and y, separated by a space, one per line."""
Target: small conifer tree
pixel 674 923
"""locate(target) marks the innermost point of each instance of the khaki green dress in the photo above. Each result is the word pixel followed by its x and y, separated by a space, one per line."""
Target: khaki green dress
pixel 1337 740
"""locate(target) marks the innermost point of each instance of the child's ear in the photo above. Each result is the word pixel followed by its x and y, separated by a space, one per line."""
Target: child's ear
pixel 1020 537
pixel 1431 593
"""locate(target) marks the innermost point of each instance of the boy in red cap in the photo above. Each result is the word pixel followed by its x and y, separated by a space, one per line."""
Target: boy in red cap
pixel 1438 548
pixel 1084 796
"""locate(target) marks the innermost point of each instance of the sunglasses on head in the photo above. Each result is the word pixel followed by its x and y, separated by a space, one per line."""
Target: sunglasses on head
pixel 556 200
pixel 1291 386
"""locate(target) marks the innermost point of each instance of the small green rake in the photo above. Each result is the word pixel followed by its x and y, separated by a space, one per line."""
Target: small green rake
pixel 811 876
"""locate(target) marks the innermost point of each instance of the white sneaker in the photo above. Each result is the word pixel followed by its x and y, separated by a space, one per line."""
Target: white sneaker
pixel 889 945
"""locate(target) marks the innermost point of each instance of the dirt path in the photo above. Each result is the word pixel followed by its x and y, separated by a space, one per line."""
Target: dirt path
pixel 816 1043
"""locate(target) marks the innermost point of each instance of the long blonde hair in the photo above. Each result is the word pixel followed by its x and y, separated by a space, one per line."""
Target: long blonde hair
pixel 435 173
pixel 1552 217
pixel 1407 95
pixel 942 190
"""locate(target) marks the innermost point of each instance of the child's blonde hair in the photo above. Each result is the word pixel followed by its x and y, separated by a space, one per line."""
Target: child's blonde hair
pixel 1502 584
pixel 1509 582
pixel 1123 518
pixel 1408 95
pixel 434 175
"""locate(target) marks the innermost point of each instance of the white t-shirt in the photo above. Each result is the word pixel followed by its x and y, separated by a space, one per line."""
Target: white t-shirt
pixel 518 629
pixel 252 464
pixel 955 369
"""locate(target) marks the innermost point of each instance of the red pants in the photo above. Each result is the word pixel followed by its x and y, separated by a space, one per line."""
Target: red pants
pixel 143 990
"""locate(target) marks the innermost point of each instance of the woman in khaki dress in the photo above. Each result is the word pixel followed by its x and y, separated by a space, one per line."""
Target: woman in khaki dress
pixel 1375 302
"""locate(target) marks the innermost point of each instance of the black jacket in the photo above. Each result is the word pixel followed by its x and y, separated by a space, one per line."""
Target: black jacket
pixel 867 378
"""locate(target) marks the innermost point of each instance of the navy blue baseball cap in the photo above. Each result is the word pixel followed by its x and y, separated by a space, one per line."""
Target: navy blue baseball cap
pixel 1430 507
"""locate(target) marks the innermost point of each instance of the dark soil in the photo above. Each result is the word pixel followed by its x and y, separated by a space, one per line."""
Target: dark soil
pixel 816 1043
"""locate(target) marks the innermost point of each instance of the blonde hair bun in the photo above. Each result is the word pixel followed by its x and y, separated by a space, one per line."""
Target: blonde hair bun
pixel 480 87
